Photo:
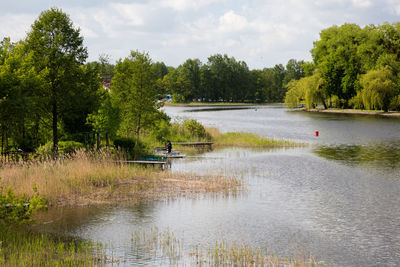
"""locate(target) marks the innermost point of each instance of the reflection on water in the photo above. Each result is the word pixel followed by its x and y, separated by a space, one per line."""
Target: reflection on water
pixel 383 155
pixel 337 199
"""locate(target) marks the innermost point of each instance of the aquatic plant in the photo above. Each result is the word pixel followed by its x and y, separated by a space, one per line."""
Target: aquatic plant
pixel 166 246
pixel 21 248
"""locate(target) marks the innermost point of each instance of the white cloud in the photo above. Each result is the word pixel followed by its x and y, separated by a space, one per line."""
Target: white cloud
pixel 183 5
pixel 131 14
pixel 262 33
pixel 393 6
pixel 231 22
pixel 362 3
pixel 15 26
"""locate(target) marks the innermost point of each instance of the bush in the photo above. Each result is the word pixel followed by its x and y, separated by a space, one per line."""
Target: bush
pixel 128 146
pixel 124 143
pixel 64 147
pixel 196 129
pixel 15 210
pixel 69 147
pixel 162 131
pixel 45 150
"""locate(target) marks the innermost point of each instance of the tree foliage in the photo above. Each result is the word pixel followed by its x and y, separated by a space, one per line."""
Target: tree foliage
pixel 378 89
pixel 358 66
pixel 58 55
pixel 133 86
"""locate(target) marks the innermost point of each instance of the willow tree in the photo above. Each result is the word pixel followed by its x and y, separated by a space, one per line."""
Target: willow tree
pixel 311 89
pixel 379 89
pixel 58 54
pixel 134 87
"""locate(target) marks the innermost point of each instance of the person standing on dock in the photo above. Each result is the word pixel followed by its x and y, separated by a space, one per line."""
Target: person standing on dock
pixel 169 147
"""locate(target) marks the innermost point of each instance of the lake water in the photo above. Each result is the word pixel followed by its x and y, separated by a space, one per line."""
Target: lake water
pixel 337 198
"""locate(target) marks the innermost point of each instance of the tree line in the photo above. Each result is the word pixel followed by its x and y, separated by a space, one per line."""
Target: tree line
pixel 224 79
pixel 48 92
pixel 354 67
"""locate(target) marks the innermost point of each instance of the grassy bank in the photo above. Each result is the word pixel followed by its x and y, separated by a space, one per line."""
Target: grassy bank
pixel 242 139
pixel 215 104
pixel 356 112
pixel 21 248
pixel 95 178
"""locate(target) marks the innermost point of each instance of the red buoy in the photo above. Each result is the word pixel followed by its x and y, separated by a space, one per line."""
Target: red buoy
pixel 316 133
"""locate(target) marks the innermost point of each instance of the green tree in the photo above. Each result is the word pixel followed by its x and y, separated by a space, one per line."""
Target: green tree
pixel 108 117
pixel 379 88
pixel 336 56
pixel 294 71
pixel 58 54
pixel 275 91
pixel 311 89
pixel 19 115
pixel 133 86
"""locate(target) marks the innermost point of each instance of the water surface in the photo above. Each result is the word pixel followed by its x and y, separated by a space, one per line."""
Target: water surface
pixel 337 198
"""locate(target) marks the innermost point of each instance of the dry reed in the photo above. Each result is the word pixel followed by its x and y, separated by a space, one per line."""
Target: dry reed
pixel 89 178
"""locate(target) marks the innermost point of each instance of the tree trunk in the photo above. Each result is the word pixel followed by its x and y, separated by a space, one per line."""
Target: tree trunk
pixel 36 133
pixel 55 130
pixel 137 135
pixel 2 144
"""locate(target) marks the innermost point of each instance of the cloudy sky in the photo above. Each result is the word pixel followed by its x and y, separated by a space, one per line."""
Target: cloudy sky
pixel 260 32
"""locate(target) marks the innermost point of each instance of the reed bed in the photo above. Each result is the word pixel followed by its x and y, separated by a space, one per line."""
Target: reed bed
pixel 21 248
pixel 164 246
pixel 90 178
pixel 243 139
pixel 234 254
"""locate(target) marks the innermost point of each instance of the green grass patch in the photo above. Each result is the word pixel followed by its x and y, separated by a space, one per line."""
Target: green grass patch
pixel 22 248
pixel 197 104
pixel 251 140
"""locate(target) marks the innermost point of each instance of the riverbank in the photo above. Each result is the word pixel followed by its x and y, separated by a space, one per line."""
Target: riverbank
pixel 243 139
pixel 216 104
pixel 89 179
pixel 355 112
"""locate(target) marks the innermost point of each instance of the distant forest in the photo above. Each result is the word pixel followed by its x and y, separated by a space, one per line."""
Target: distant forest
pixel 49 93
pixel 221 79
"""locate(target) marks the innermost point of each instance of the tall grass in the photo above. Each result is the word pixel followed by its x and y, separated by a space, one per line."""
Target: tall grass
pixel 164 245
pixel 21 248
pixel 243 139
pixel 96 178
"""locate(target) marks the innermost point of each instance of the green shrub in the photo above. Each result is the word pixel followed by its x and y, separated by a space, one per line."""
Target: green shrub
pixel 162 131
pixel 69 147
pixel 196 129
pixel 15 210
pixel 124 143
pixel 45 150
pixel 128 146
pixel 64 147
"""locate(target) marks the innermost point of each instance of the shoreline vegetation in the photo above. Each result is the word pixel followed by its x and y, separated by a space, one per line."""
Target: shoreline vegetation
pixel 92 178
pixel 244 139
pixel 19 247
pixel 170 248
pixel 217 104
pixel 354 112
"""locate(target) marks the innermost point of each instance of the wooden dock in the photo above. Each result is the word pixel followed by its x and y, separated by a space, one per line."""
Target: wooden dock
pixel 193 144
pixel 162 164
